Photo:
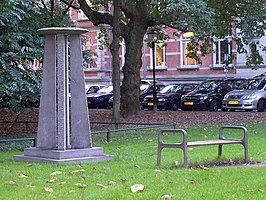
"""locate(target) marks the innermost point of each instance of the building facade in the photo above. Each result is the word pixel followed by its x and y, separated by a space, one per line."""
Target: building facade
pixel 172 64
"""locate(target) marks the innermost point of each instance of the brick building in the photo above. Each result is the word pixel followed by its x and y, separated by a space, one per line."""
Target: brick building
pixel 171 63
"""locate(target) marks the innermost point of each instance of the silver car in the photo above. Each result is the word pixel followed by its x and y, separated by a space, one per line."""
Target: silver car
pixel 251 97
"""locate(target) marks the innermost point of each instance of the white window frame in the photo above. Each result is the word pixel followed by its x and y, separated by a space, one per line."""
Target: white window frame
pixel 219 41
pixel 163 66
pixel 185 41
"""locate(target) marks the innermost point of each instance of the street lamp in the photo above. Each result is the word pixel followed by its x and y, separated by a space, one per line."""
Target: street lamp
pixel 152 35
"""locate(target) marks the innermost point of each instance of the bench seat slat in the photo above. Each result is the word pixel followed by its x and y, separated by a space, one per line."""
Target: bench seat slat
pixel 213 142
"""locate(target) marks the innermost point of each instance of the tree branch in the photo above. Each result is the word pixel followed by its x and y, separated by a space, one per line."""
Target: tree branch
pixel 95 17
pixel 70 5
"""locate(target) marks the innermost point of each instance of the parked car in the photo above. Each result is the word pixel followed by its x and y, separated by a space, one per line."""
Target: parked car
pixel 146 89
pixel 93 88
pixel 251 97
pixel 100 98
pixel 209 94
pixel 169 98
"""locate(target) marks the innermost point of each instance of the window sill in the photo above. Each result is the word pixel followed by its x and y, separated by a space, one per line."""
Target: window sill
pixel 188 67
pixel 158 68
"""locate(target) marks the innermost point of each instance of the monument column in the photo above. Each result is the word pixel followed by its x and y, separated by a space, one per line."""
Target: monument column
pixel 58 140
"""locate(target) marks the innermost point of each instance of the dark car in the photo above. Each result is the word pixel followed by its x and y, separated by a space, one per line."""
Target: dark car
pixel 147 89
pixel 100 98
pixel 169 98
pixel 209 94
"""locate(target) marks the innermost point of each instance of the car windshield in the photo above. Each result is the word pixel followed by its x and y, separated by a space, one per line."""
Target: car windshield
pixel 171 89
pixel 144 87
pixel 107 89
pixel 208 85
pixel 253 84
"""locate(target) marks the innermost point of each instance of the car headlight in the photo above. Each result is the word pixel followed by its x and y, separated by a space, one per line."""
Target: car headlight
pixel 249 96
pixel 226 96
pixel 203 97
pixel 161 99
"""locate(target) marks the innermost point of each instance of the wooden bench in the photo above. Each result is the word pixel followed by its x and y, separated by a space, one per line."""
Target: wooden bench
pixel 185 144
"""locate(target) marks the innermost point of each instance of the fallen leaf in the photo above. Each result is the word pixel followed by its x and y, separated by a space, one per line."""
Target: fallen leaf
pixel 93 168
pixel 190 149
pixel 30 185
pixel 260 190
pixel 101 186
pixel 177 163
pixel 79 166
pixel 79 171
pixel 55 173
pixel 149 140
pixel 191 181
pixel 62 183
pixel 82 178
pixel 137 188
pixel 157 170
pixel 50 190
pixel 22 175
pixel 167 196
pixel 81 185
pixel 112 183
pixel 29 165
pixel 54 179
pixel 123 180
pixel 12 182
pixel 136 166
pixel 203 167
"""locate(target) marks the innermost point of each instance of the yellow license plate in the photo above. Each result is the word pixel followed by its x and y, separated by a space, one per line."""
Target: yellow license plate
pixel 150 104
pixel 188 103
pixel 233 102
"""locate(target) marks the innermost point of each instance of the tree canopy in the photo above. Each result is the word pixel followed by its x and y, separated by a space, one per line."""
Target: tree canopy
pixel 206 18
pixel 20 44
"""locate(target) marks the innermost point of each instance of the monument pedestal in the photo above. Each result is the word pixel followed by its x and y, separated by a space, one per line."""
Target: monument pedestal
pixel 94 154
pixel 58 140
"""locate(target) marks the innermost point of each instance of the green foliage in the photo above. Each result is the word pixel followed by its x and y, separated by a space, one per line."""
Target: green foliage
pixel 19 88
pixel 20 44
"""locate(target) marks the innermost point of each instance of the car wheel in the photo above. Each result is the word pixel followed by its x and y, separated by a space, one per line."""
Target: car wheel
pixel 213 105
pixel 261 105
pixel 174 106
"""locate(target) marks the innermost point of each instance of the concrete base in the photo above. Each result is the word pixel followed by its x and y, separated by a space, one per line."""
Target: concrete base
pixel 38 155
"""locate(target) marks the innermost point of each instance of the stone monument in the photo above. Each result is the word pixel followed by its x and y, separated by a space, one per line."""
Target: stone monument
pixel 64 134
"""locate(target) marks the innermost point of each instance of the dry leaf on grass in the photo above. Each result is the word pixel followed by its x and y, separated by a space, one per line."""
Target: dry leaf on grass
pixel 79 171
pixel 81 185
pixel 54 179
pixel 112 183
pixel 191 181
pixel 167 196
pixel 137 188
pixel 62 183
pixel 50 190
pixel 22 175
pixel 12 182
pixel 101 186
pixel 55 173
pixel 82 178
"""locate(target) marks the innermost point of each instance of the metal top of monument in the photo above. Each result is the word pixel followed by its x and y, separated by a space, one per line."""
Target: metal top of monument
pixel 62 30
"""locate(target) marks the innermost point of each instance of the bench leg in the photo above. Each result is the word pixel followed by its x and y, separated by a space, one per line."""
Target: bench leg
pixel 246 153
pixel 159 155
pixel 220 150
pixel 185 157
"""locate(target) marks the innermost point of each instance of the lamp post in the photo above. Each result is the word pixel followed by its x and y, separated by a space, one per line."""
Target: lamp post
pixel 152 35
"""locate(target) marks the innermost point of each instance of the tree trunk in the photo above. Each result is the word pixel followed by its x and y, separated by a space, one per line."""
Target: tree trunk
pixel 116 61
pixel 130 104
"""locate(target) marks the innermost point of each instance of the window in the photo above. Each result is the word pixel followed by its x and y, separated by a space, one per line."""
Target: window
pixel 160 57
pixel 185 40
pixel 87 53
pixel 222 52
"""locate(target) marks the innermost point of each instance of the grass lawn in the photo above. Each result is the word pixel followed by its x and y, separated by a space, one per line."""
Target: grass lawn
pixel 135 163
